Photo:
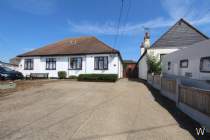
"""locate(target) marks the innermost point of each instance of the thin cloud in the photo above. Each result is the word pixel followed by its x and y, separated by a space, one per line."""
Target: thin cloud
pixel 96 28
pixel 175 9
pixel 197 12
pixel 38 7
pixel 109 28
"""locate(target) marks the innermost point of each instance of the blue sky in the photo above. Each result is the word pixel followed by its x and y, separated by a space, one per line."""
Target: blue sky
pixel 30 24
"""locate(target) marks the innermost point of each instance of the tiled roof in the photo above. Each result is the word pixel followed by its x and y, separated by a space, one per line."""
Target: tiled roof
pixel 72 46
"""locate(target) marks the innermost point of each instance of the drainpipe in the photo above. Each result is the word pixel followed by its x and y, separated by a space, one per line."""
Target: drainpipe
pixel 85 64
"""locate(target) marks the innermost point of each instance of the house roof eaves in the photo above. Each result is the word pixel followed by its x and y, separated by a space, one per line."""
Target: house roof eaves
pixel 145 52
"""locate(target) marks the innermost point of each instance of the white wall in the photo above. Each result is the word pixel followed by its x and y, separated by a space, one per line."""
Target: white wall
pixel 142 68
pixel 158 52
pixel 142 65
pixel 193 54
pixel 120 68
pixel 62 64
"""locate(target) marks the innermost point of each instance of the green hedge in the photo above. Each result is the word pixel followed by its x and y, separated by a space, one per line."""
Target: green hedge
pixel 98 77
pixel 72 77
pixel 62 75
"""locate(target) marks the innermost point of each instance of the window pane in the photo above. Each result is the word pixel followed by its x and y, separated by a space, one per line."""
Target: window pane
pixel 96 63
pixel 105 62
pixel 101 65
pixel 169 65
pixel 205 64
pixel 75 63
pixel 184 63
pixel 28 64
pixel 51 63
pixel 79 63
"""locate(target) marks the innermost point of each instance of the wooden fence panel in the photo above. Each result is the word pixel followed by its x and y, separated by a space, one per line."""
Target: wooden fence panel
pixel 157 80
pixel 168 85
pixel 196 98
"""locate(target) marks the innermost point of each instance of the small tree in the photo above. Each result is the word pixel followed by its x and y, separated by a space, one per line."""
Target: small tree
pixel 154 64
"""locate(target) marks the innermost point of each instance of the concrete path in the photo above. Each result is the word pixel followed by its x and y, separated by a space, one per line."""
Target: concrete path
pixel 70 110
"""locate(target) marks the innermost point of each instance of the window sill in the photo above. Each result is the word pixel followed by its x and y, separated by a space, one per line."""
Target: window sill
pixel 205 71
pixel 74 69
pixel 101 69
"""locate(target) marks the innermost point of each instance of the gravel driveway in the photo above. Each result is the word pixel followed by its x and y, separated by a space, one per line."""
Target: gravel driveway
pixel 70 110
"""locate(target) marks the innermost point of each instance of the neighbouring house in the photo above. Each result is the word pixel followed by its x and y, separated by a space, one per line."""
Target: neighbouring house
pixel 15 60
pixel 180 35
pixel 9 65
pixel 130 69
pixel 192 61
pixel 83 55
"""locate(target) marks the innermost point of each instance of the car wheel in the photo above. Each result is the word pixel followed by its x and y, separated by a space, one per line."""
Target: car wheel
pixel 2 78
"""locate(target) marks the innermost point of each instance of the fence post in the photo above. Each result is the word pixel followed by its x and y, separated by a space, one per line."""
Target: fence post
pixel 178 82
pixel 160 82
pixel 153 79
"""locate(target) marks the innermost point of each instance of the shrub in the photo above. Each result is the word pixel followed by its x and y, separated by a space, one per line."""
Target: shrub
pixel 98 77
pixel 61 74
pixel 154 64
pixel 72 77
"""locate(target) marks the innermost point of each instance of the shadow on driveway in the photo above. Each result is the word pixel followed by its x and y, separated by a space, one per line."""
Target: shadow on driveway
pixel 183 120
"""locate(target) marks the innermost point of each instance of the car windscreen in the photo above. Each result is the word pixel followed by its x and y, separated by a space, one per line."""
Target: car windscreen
pixel 7 69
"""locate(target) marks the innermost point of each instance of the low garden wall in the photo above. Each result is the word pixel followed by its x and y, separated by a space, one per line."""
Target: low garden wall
pixel 193 101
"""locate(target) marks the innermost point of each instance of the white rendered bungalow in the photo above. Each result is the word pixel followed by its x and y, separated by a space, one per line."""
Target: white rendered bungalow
pixel 180 35
pixel 192 62
pixel 83 55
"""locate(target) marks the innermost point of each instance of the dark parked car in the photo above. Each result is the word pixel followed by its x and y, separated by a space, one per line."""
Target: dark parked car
pixel 9 74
